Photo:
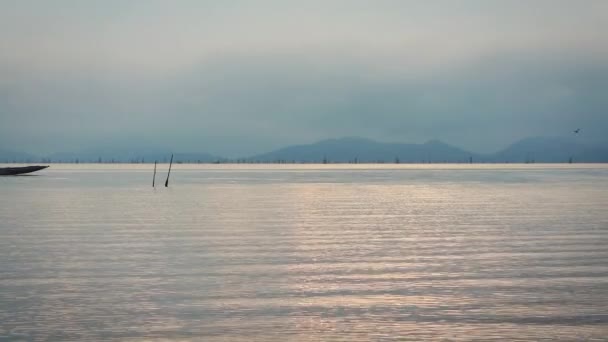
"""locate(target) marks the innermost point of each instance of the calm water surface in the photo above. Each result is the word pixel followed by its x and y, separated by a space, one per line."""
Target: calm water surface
pixel 314 252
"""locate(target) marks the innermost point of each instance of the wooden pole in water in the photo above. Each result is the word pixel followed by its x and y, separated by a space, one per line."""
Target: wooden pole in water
pixel 154 177
pixel 169 173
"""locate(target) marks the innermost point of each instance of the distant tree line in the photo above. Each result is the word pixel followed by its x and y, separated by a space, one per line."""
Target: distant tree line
pixel 529 159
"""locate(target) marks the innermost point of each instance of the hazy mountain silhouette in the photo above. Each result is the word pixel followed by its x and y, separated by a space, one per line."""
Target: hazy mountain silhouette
pixel 536 149
pixel 7 156
pixel 350 150
pixel 108 155
pixel 362 150
pixel 552 150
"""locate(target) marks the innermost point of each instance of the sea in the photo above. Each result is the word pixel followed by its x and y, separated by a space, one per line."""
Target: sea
pixel 288 252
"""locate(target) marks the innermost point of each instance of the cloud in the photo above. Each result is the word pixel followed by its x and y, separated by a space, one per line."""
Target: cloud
pixel 242 77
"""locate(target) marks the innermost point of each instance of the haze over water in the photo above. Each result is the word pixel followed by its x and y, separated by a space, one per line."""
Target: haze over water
pixel 305 252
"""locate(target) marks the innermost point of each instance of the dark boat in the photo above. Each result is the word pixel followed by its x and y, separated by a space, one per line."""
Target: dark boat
pixel 10 171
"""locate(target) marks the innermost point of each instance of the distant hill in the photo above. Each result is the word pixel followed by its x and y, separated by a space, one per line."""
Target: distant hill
pixel 108 155
pixel 536 149
pixel 353 149
pixel 7 156
pixel 350 150
pixel 552 150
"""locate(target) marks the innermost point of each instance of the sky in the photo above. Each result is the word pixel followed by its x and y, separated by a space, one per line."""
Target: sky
pixel 236 78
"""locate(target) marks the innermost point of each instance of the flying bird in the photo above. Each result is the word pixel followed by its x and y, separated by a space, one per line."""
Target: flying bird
pixel 577 130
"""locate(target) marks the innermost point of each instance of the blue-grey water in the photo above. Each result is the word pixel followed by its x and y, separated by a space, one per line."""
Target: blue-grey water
pixel 311 252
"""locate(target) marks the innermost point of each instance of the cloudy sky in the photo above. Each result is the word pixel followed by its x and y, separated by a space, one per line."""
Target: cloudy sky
pixel 240 77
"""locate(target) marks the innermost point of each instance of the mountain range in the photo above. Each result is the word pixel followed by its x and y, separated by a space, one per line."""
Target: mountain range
pixel 351 150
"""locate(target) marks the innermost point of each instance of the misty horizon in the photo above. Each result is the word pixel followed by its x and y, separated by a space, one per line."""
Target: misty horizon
pixel 168 149
pixel 344 150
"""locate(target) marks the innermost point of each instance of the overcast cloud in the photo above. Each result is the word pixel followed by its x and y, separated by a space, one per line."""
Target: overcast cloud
pixel 240 77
